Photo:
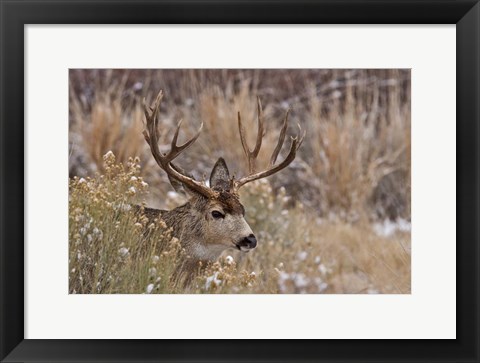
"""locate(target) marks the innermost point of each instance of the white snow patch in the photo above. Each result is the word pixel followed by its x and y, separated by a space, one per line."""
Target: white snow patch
pixel 388 227
pixel 123 252
pixel 322 286
pixel 212 281
pixel 301 281
pixel 122 207
pixel 98 233
pixel 173 195
pixel 323 270
pixel 137 86
pixel 302 256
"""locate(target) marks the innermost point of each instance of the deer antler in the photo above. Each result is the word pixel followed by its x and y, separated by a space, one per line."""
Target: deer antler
pixel 252 154
pixel 152 133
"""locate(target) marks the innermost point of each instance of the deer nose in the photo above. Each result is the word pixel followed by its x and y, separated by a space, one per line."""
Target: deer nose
pixel 250 241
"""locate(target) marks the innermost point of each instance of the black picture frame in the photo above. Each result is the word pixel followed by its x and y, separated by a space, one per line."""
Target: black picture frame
pixel 16 14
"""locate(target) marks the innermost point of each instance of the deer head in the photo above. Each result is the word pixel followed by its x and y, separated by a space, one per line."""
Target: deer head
pixel 214 219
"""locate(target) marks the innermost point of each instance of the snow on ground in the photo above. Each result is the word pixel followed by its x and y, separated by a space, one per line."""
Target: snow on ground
pixel 388 227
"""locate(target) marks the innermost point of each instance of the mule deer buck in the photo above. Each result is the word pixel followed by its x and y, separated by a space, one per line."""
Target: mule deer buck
pixel 213 219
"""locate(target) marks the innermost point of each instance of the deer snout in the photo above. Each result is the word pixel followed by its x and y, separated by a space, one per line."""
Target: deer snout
pixel 247 243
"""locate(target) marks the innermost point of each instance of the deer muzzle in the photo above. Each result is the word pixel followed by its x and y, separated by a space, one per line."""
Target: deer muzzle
pixel 247 244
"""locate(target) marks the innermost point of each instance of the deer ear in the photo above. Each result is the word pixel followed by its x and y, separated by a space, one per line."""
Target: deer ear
pixel 220 177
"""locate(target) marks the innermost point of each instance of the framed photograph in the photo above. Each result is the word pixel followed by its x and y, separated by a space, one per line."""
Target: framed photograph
pixel 298 178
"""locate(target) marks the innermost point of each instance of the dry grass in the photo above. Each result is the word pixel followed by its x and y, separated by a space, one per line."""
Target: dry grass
pixel 317 221
pixel 358 150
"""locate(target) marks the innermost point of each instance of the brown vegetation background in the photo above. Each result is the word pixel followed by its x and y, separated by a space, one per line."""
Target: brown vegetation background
pixel 349 187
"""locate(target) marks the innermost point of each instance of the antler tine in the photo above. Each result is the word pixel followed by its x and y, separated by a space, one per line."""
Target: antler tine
pixel 151 134
pixel 178 149
pixel 303 136
pixel 151 113
pixel 252 154
pixel 281 139
pixel 155 110
pixel 258 143
pixel 175 136
pixel 272 169
pixel 241 131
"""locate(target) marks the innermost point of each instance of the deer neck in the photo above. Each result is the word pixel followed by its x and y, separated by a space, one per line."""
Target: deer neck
pixel 176 218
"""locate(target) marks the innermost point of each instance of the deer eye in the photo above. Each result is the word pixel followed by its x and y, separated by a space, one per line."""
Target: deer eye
pixel 217 215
